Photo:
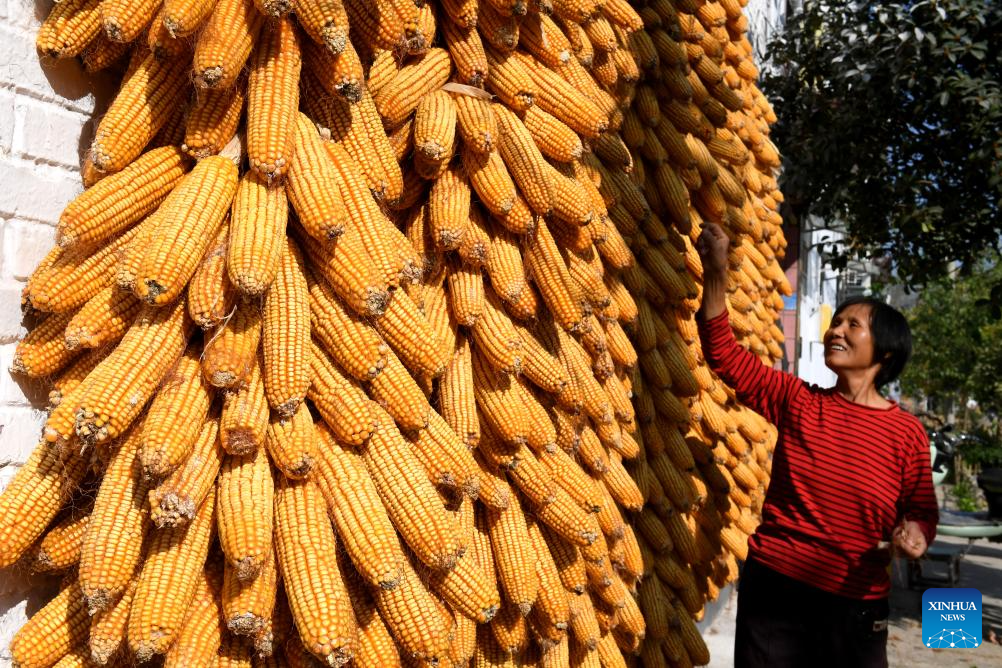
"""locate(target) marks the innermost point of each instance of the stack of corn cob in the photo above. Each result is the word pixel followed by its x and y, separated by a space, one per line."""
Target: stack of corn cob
pixel 372 336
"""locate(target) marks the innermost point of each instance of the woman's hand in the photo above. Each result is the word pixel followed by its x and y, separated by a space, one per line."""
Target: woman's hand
pixel 713 245
pixel 908 540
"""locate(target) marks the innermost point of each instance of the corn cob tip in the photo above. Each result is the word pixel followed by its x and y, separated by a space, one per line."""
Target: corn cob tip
pixel 42 562
pixel 376 301
pixel 209 77
pixel 97 600
pixel 245 624
pixel 102 649
pixel 17 366
pixel 247 568
pixel 287 409
pixel 171 26
pixel 488 613
pixel 524 608
pixel 277 8
pixel 145 650
pixel 391 579
pixel 174 510
pixel 335 38
pixel 113 30
pixel 340 656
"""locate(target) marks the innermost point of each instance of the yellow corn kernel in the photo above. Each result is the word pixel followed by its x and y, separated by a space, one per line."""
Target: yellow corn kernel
pixel 116 392
pixel 168 583
pixel 491 181
pixel 59 548
pixel 174 501
pixel 348 269
pixel 457 402
pixel 233 348
pixel 446 459
pixel 400 395
pixel 376 646
pixel 142 106
pixel 175 418
pixel 248 604
pixel 285 339
pixel 418 621
pixel 551 613
pixel 377 232
pixel 409 497
pixel 325 21
pixel 223 46
pixel 258 221
pixel 243 424
pixel 525 162
pixel 292 443
pixel 117 528
pixel 213 120
pixel 108 627
pixel 313 185
pixel 306 548
pixel 42 352
pixel 400 97
pixel 514 557
pixel 122 199
pixel 272 100
pixel 245 493
pixel 183 17
pixel 339 399
pixel 53 631
pixel 186 224
pixel 495 393
pixel 211 296
pixel 553 279
pixel 123 21
pixel 99 54
pixel 434 133
pixel 411 336
pixel 353 344
pixel 69 28
pixel 102 320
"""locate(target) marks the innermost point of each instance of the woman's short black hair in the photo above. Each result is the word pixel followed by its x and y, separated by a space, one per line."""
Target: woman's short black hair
pixel 892 337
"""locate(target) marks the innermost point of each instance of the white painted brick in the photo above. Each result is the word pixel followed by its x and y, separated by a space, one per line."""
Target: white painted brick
pixel 47 132
pixel 21 596
pixel 20 429
pixel 37 192
pixel 19 391
pixel 10 312
pixel 6 120
pixel 47 79
pixel 28 15
pixel 25 243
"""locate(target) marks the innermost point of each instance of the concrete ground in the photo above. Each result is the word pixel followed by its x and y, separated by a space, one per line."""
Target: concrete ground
pixel 981 569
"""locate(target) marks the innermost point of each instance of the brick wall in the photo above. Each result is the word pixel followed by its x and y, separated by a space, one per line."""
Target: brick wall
pixel 47 111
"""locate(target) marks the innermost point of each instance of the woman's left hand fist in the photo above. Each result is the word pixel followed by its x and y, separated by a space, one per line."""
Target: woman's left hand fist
pixel 909 541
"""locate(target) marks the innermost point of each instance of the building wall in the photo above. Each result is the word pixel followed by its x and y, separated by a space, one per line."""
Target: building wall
pixel 46 119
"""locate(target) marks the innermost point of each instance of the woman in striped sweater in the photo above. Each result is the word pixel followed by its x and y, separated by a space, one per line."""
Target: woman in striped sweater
pixel 851 480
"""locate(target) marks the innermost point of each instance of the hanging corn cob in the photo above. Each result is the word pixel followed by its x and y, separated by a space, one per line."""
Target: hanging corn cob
pixel 473 340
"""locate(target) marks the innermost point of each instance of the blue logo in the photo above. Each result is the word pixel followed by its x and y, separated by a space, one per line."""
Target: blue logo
pixel 951 618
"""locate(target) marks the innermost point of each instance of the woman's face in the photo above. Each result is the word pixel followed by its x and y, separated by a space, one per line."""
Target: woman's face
pixel 849 341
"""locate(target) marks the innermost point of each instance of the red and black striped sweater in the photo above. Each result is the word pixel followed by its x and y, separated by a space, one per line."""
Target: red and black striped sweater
pixel 843 474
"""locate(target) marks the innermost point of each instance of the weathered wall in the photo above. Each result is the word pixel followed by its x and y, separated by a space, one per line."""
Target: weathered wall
pixel 47 109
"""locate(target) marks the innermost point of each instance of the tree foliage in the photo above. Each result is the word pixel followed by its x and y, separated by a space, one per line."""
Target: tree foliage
pixel 957 344
pixel 890 119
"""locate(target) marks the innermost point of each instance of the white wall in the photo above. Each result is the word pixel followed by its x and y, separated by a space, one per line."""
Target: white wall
pixel 818 295
pixel 46 118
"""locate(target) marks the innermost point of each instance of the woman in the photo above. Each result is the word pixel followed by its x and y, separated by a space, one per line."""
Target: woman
pixel 850 478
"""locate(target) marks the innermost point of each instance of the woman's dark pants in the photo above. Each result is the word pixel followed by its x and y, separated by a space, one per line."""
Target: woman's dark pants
pixel 784 623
